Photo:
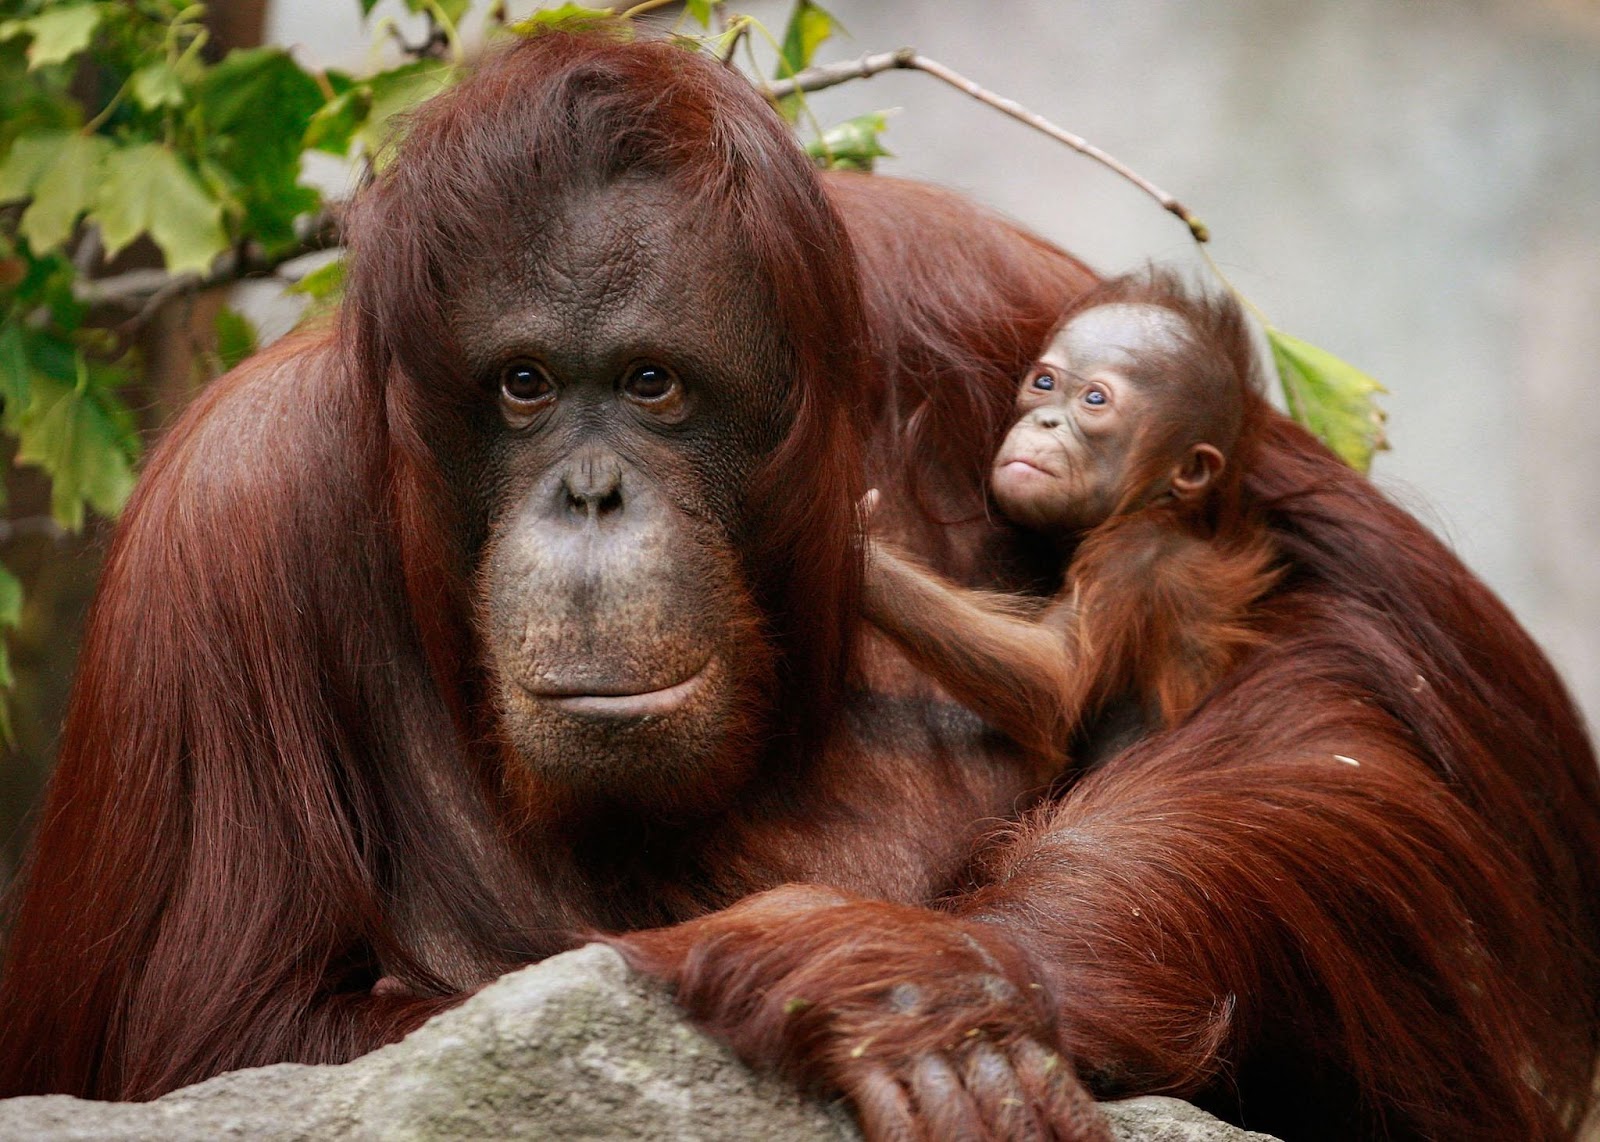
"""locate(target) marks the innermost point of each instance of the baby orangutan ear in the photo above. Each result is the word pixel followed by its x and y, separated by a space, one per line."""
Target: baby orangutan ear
pixel 1199 470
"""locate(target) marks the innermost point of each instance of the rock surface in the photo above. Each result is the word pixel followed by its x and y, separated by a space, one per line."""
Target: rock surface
pixel 577 1047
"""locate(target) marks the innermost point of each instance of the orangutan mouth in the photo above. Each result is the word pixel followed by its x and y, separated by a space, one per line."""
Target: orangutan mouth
pixel 639 704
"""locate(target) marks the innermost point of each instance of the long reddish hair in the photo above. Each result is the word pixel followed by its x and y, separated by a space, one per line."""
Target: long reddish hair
pixel 555 112
pixel 959 303
pixel 270 784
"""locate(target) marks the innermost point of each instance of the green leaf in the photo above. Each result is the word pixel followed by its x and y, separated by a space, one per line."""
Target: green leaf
pixel 396 91
pixel 60 171
pixel 157 85
pixel 52 356
pixel 30 156
pixel 29 106
pixel 10 617
pixel 323 283
pixel 7 679
pixel 337 81
pixel 236 337
pixel 148 189
pixel 808 28
pixel 853 144
pixel 361 113
pixel 257 106
pixel 367 6
pixel 73 433
pixel 64 192
pixel 14 373
pixel 701 10
pixel 249 88
pixel 334 126
pixel 324 286
pixel 567 18
pixel 1332 398
pixel 10 602
pixel 58 33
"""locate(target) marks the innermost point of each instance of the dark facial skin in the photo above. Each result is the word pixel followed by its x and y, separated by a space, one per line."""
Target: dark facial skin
pixel 631 385
pixel 1064 466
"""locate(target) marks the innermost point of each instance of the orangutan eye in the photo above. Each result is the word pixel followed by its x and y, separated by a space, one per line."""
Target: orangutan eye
pixel 1044 382
pixel 1095 397
pixel 523 383
pixel 650 383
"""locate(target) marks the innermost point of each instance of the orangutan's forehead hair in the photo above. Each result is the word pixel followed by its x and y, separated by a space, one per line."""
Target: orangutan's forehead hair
pixel 549 117
pixel 1206 374
pixel 559 113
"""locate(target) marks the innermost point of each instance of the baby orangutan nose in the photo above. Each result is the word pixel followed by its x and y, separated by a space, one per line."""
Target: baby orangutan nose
pixel 1047 418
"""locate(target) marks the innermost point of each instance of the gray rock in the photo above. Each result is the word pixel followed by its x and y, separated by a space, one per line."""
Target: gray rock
pixel 1153 1119
pixel 577 1047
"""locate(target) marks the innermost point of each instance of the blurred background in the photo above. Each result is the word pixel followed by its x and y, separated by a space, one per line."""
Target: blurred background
pixel 1412 186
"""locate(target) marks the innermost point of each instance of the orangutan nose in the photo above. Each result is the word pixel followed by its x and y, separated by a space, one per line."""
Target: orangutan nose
pixel 592 485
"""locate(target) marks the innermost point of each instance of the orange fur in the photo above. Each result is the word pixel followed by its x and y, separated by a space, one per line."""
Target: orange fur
pixel 1163 613
pixel 1352 893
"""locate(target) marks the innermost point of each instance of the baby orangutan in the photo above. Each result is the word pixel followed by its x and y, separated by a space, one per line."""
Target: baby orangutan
pixel 1124 452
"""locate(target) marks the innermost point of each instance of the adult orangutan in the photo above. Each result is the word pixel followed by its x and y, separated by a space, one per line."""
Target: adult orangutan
pixel 525 603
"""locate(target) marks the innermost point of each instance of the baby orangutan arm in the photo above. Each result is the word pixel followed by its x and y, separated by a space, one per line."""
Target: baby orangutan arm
pixel 1011 668
pixel 1150 610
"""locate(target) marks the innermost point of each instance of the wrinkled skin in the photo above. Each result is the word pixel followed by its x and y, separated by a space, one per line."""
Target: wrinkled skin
pixel 629 395
pixel 1064 466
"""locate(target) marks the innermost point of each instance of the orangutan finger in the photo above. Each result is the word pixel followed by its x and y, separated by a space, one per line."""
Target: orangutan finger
pixel 883 1106
pixel 1002 1103
pixel 1057 1094
pixel 946 1109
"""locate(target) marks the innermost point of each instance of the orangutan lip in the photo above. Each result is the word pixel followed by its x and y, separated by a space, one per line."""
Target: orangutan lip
pixel 639 705
pixel 1019 462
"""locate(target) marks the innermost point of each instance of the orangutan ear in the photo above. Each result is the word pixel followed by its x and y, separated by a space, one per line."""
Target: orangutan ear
pixel 1198 472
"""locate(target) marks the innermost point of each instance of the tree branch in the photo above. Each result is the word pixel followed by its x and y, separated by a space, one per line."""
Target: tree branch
pixel 143 292
pixel 907 59
pixel 12 529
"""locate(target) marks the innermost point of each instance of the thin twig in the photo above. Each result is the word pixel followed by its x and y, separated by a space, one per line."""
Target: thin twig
pixel 740 31
pixel 443 35
pixel 1227 283
pixel 641 9
pixel 143 292
pixel 907 59
pixel 117 97
pixel 434 45
pixel 832 74
pixel 41 525
pixel 88 251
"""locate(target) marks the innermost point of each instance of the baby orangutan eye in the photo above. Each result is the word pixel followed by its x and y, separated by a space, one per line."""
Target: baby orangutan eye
pixel 1095 397
pixel 1044 382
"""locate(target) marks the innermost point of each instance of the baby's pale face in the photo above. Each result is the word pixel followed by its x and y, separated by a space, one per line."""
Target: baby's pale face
pixel 1064 465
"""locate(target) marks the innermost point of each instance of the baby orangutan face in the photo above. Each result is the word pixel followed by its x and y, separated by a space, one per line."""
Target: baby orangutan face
pixel 1066 464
